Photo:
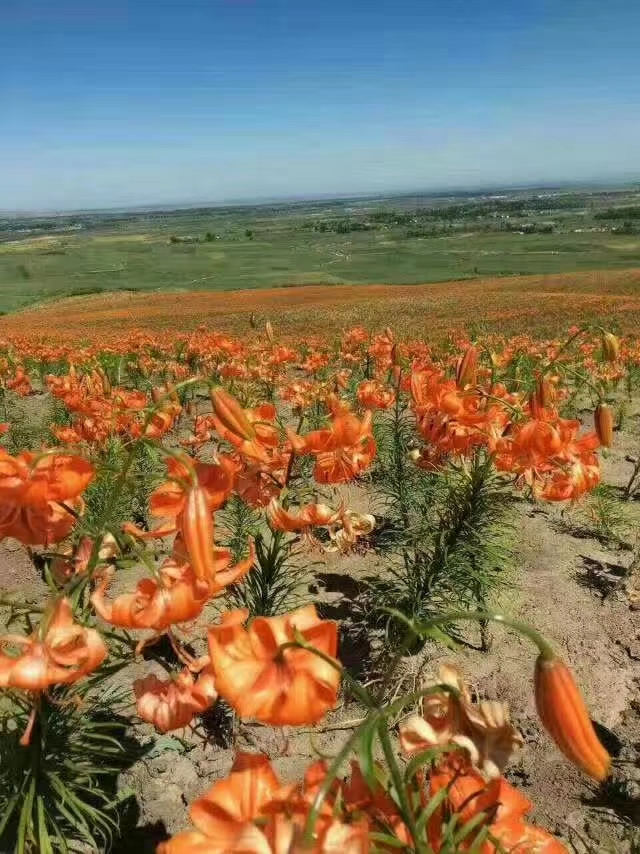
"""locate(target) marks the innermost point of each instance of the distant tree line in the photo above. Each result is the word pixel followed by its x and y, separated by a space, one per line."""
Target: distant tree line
pixel 629 212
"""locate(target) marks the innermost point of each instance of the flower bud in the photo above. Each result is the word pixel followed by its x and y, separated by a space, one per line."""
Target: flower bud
pixel 268 328
pixel 106 384
pixel 603 417
pixel 564 715
pixel 197 534
pixel 231 414
pixel 172 393
pixel 610 347
pixel 543 393
pixel 467 367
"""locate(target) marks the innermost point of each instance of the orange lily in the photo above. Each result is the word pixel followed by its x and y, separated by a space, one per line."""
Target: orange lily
pixel 189 499
pixel 373 395
pixel 215 480
pixel 250 431
pixel 343 450
pixel 603 417
pixel 469 795
pixel 60 653
pixel 467 368
pixel 224 816
pixel 38 493
pixel 177 596
pixel 273 685
pixel 173 703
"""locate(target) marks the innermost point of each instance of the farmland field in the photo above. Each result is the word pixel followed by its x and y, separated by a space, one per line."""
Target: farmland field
pixel 409 240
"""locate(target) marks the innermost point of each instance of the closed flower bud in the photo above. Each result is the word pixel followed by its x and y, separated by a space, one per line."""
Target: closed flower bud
pixel 467 367
pixel 269 330
pixel 610 347
pixel 231 414
pixel 197 534
pixel 543 393
pixel 564 715
pixel 106 384
pixel 603 417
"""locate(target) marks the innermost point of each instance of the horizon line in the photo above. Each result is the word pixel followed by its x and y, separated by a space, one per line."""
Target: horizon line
pixel 265 201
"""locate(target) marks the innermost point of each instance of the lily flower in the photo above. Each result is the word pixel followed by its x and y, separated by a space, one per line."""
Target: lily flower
pixel 261 680
pixel 59 653
pixel 173 703
pixel 40 495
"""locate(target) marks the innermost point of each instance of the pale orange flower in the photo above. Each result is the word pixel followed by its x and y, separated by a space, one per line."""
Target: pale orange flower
pixel 262 681
pixel 173 703
pixel 69 562
pixel 39 494
pixel 59 653
pixel 176 596
pixel 483 729
pixel 374 395
pixel 309 516
pixel 342 451
pixel 224 816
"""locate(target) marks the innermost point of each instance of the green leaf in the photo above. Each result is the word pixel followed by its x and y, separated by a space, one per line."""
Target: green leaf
pixel 365 752
pixel 434 802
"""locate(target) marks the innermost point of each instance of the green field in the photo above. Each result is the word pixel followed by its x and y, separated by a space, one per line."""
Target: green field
pixel 406 240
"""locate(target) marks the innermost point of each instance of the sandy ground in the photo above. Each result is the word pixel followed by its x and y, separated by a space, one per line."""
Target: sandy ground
pixel 571 586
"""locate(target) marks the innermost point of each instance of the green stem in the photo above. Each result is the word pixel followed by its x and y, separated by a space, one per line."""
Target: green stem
pixel 586 381
pixel 403 802
pixel 545 648
pixel 323 791
pixel 566 344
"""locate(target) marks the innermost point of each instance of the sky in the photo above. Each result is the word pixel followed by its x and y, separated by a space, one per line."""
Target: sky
pixel 108 103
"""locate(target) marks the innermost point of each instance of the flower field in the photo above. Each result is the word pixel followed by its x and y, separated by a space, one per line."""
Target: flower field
pixel 287 566
pixel 509 305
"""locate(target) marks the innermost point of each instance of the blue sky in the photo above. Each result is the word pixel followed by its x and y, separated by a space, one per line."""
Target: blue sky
pixel 125 102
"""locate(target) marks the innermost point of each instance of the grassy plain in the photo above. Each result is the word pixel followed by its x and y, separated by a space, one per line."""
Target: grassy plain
pixel 321 244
